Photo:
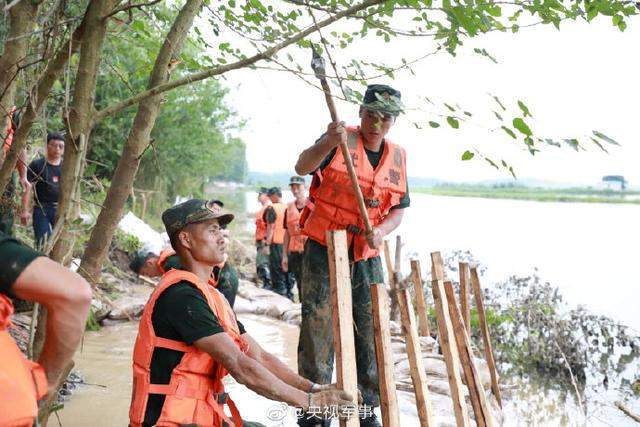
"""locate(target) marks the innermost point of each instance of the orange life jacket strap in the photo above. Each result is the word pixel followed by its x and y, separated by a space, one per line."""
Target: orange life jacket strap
pixel 172 345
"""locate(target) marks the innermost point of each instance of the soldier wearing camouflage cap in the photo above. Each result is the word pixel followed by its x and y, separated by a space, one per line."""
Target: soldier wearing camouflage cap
pixel 188 336
pixel 380 168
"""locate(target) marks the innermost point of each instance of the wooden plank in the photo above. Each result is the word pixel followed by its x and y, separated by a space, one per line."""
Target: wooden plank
pixel 342 315
pixel 393 280
pixel 450 353
pixel 484 417
pixel 464 295
pixel 389 264
pixel 423 312
pixel 437 266
pixel 384 356
pixel 484 328
pixel 416 364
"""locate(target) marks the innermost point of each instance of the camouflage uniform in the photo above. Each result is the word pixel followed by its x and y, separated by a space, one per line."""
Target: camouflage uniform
pixel 315 348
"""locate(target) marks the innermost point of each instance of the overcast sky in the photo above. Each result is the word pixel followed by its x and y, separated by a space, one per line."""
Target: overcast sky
pixel 581 78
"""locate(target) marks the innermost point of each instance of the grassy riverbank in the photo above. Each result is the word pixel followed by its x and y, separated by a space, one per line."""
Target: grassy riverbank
pixel 580 195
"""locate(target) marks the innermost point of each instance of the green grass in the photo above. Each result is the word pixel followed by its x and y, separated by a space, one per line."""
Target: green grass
pixel 580 195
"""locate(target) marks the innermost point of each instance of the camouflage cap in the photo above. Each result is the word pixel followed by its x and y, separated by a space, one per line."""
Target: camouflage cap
pixel 274 190
pixel 296 180
pixel 191 212
pixel 384 99
pixel 138 259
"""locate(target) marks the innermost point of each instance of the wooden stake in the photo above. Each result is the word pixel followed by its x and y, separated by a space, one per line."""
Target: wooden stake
pixel 384 356
pixel 464 295
pixel 423 313
pixel 418 374
pixel 391 272
pixel 484 418
pixel 342 314
pixel 450 352
pixel 437 266
pixel 488 350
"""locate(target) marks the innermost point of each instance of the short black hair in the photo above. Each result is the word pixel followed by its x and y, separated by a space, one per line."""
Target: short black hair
pixel 54 136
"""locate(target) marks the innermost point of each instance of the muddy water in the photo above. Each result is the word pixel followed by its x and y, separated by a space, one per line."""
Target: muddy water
pixel 105 363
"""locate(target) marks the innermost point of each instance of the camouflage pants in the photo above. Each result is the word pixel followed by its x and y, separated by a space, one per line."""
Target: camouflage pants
pixel 228 283
pixel 262 266
pixel 315 348
pixel 279 282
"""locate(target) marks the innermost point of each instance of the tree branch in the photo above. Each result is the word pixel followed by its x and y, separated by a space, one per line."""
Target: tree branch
pixel 214 71
pixel 132 6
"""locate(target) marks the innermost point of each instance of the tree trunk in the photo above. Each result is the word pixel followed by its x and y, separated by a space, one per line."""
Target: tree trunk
pixel 124 175
pixel 79 117
pixel 22 18
pixel 37 97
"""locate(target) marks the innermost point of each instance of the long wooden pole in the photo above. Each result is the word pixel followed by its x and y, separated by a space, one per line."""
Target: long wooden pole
pixel 484 418
pixel 414 352
pixel 464 295
pixel 423 314
pixel 484 328
pixel 384 356
pixel 342 315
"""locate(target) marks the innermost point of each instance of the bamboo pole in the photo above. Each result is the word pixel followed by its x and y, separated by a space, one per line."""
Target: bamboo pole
pixel 342 316
pixel 464 295
pixel 416 364
pixel 484 328
pixel 423 313
pixel 483 416
pixel 384 356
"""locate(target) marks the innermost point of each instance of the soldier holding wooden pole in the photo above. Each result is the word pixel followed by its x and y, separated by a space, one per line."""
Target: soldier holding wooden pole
pixel 335 204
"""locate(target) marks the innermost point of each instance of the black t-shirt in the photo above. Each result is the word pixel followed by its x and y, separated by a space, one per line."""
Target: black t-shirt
pixel 47 179
pixel 14 258
pixel 181 313
pixel 374 158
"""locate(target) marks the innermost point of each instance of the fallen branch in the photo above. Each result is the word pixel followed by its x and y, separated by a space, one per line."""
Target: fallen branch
pixel 625 409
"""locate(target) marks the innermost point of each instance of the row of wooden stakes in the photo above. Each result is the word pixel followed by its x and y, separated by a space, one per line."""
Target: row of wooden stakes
pixel 453 325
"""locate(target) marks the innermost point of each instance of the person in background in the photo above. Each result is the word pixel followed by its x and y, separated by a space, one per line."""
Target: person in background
pixel 294 240
pixel 6 200
pixel 44 173
pixel 262 258
pixel 28 275
pixel 274 218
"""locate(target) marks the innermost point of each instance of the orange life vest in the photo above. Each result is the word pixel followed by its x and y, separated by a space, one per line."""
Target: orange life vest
pixel 162 258
pixel 22 382
pixel 278 230
pixel 333 205
pixel 261 225
pixel 296 238
pixel 195 393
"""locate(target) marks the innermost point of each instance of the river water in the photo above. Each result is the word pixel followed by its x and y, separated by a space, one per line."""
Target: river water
pixel 587 250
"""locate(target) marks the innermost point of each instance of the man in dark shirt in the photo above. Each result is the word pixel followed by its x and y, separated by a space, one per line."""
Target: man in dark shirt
pixel 45 174
pixel 381 106
pixel 182 313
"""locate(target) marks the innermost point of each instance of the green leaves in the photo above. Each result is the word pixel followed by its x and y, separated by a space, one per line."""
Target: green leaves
pixel 467 155
pixel 509 132
pixel 434 124
pixel 519 124
pixel 605 138
pixel 524 109
pixel 453 122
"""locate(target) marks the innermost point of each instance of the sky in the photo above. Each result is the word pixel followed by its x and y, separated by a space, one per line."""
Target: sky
pixel 575 80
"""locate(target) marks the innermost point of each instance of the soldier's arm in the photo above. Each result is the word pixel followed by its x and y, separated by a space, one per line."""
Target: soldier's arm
pixel 311 158
pixel 249 371
pixel 391 222
pixel 276 366
pixel 67 297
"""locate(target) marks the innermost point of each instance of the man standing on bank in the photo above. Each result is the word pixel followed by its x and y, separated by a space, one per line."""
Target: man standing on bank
pixel 294 240
pixel 45 174
pixel 189 339
pixel 381 171
pixel 262 258
pixel 274 218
